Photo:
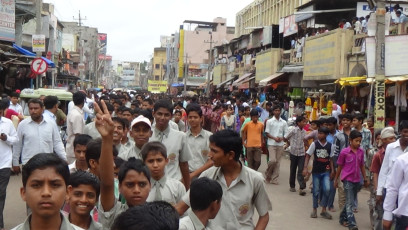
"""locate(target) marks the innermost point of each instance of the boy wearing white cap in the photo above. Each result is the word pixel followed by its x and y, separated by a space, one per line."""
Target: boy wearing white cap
pixel 140 131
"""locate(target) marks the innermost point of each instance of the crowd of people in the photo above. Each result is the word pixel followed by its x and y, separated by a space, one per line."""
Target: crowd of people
pixel 149 162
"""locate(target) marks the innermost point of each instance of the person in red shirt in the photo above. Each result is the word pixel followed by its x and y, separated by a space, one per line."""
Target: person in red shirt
pixel 8 113
pixel 387 137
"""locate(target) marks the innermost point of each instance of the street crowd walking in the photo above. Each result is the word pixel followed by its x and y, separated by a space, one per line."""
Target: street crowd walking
pixel 146 161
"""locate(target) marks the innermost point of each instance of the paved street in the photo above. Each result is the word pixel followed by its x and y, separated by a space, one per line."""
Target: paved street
pixel 290 211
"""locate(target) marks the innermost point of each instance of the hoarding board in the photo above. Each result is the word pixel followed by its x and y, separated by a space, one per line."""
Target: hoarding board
pixel 157 86
pixel 8 20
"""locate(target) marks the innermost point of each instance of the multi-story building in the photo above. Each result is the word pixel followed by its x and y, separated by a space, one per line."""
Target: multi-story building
pixel 129 73
pixel 159 63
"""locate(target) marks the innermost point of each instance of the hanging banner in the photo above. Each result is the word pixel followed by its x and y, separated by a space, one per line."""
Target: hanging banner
pixel 281 25
pixel 157 86
pixel 379 119
pixel 38 42
pixel 103 42
pixel 290 26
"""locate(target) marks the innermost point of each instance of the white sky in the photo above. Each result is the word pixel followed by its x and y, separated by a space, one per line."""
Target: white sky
pixel 134 26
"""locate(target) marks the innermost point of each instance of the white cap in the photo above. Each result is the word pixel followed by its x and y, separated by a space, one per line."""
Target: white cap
pixel 139 119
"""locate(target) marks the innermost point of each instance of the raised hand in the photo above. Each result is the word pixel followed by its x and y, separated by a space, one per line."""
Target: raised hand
pixel 103 121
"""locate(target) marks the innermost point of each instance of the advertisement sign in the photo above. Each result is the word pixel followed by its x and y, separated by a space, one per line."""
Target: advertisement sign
pixel 396 54
pixel 267 35
pixel 103 41
pixel 379 119
pixel 290 26
pixel 7 20
pixel 157 86
pixel 217 75
pixel 38 42
pixel 320 56
pixel 281 25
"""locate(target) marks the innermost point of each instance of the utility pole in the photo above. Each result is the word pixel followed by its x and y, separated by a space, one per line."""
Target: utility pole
pixel 379 113
pixel 81 48
pixel 79 19
pixel 185 74
pixel 38 29
pixel 209 64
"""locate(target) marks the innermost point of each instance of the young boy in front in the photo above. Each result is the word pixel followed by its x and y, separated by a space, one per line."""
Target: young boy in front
pixel 252 139
pixel 175 142
pixel 140 131
pixel 163 188
pixel 45 177
pixel 83 194
pixel 198 139
pixel 350 164
pixel 322 171
pixel 243 188
pixel 134 176
pixel 295 138
pixel 80 143
pixel 205 199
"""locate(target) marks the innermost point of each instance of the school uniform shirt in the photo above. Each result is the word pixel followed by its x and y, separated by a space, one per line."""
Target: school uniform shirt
pixel 50 115
pixel 172 125
pixel 91 130
pixel 351 163
pixel 106 218
pixel 134 151
pixel 92 226
pixel 6 153
pixel 177 149
pixel 191 222
pixel 276 128
pixel 392 152
pixel 239 200
pixel 200 147
pixel 16 108
pixel 397 190
pixel 65 225
pixel 296 138
pixel 124 148
pixel 34 138
pixel 75 125
pixel 171 190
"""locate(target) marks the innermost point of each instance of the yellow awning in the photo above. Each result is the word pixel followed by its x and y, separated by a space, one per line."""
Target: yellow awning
pixel 351 81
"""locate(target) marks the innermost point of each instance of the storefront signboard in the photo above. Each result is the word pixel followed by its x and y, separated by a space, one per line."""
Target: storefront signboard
pixel 157 86
pixel 379 119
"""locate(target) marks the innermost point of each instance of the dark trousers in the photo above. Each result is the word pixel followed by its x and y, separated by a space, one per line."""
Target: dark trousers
pixel 4 180
pixel 401 222
pixel 297 163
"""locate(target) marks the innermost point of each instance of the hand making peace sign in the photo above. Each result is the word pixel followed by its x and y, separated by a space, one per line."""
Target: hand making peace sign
pixel 103 121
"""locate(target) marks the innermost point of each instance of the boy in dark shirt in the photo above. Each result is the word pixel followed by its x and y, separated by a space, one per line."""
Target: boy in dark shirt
pixel 322 171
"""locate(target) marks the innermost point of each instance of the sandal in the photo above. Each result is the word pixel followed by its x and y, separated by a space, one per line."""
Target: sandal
pixel 326 215
pixel 313 214
pixel 344 224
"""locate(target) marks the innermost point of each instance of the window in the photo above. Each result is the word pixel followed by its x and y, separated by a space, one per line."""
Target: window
pixel 157 77
pixel 157 66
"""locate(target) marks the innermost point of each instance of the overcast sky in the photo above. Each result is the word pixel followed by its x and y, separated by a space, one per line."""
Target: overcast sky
pixel 134 26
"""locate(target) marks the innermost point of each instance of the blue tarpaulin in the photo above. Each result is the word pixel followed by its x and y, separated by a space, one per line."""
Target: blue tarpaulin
pixel 29 53
pixel 177 85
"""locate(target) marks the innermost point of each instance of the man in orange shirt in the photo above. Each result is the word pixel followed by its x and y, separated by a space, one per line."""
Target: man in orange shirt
pixel 252 139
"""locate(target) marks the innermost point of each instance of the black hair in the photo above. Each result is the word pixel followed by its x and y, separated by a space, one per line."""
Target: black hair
pixel 165 104
pixel 84 178
pixel 179 112
pixel 127 109
pixel 153 146
pixel 403 125
pixel 247 108
pixel 79 98
pixel 15 94
pixel 45 160
pixel 276 107
pixel 4 103
pixel 133 164
pixel 317 122
pixel 93 151
pixel 359 117
pixel 118 162
pixel 82 139
pixel 346 116
pixel 147 113
pixel 331 120
pixel 120 121
pixel 204 191
pixel 109 106
pixel 156 215
pixel 376 134
pixel 192 107
pixel 253 112
pixel 148 100
pixel 50 102
pixel 35 101
pixel 299 119
pixel 228 140
pixel 117 101
pixel 324 130
pixel 355 134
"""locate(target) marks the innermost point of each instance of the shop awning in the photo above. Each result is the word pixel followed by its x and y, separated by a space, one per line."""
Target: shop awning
pixel 241 79
pixel 351 81
pixel 265 81
pixel 396 78
pixel 224 82
pixel 29 53
pixel 292 69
